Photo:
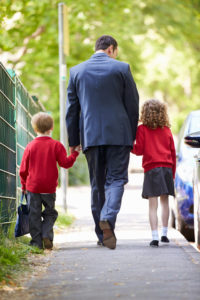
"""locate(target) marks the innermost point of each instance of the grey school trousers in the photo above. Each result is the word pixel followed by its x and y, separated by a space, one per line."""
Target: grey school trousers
pixel 41 221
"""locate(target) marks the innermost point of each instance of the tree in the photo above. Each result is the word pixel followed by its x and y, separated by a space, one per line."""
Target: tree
pixel 159 39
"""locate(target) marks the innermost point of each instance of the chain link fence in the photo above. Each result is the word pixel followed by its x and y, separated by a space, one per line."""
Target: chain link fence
pixel 16 109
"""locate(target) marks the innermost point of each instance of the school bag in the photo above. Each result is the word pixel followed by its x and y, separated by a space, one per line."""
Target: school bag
pixel 22 223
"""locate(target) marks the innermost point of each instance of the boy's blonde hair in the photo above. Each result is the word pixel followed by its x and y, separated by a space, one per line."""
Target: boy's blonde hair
pixel 154 114
pixel 42 122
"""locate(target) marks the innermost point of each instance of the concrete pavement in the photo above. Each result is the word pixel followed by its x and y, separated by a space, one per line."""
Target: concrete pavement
pixel 81 270
pixel 77 269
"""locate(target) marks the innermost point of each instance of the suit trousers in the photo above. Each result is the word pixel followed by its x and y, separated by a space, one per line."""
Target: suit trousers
pixel 108 169
pixel 41 221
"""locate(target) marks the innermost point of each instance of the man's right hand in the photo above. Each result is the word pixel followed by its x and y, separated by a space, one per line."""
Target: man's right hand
pixel 75 148
pixel 78 148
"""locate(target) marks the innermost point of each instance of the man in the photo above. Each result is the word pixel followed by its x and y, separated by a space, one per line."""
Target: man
pixel 102 114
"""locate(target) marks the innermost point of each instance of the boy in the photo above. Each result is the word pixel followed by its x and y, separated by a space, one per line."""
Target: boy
pixel 39 178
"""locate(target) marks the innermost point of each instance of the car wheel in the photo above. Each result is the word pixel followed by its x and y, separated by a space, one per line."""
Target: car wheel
pixel 196 219
pixel 172 220
pixel 187 232
pixel 197 232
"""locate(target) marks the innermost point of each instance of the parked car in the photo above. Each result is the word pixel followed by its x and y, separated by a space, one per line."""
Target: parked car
pixel 193 140
pixel 182 216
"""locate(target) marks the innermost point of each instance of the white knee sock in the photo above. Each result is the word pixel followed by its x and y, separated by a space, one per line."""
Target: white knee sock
pixel 164 231
pixel 155 235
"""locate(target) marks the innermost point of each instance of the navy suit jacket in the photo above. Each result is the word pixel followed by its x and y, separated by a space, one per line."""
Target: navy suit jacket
pixel 102 106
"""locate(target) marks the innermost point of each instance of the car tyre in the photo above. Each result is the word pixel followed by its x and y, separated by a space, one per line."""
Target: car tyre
pixel 172 220
pixel 197 232
pixel 187 232
pixel 196 219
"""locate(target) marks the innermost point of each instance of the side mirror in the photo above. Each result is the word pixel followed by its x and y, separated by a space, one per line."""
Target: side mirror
pixel 193 140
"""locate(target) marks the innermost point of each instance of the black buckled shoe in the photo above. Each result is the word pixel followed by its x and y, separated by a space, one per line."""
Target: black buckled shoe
pixel 164 239
pixel 99 243
pixel 154 243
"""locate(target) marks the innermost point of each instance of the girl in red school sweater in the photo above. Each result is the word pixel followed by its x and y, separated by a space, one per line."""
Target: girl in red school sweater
pixel 154 141
pixel 39 178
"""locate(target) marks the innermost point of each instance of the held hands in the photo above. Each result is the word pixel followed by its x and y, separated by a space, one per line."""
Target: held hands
pixel 75 148
pixel 78 148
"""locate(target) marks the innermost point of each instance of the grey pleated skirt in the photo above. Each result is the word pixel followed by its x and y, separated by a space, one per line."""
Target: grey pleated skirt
pixel 158 181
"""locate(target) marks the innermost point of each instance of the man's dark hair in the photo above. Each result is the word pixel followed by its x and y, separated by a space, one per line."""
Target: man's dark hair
pixel 104 42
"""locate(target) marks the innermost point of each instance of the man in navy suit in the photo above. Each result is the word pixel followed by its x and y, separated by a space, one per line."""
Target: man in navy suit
pixel 102 116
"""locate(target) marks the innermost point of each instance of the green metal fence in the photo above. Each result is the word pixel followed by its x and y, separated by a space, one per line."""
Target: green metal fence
pixel 7 147
pixel 16 109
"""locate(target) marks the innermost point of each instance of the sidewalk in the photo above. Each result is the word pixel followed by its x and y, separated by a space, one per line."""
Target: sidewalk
pixel 79 270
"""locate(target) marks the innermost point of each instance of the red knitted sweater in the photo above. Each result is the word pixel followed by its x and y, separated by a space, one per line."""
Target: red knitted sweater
pixel 156 146
pixel 38 170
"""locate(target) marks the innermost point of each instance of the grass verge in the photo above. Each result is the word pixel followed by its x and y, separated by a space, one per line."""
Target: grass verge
pixel 64 219
pixel 15 251
pixel 13 257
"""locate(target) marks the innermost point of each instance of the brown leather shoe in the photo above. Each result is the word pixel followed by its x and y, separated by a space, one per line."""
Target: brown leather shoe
pixel 109 239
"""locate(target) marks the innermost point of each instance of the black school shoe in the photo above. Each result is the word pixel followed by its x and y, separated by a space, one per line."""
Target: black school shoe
pixel 48 244
pixel 164 239
pixel 100 244
pixel 154 243
pixel 35 245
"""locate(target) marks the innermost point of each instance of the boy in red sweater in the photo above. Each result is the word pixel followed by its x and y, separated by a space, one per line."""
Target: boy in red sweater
pixel 154 141
pixel 39 178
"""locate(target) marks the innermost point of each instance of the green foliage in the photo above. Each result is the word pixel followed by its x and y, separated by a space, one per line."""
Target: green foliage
pixel 159 39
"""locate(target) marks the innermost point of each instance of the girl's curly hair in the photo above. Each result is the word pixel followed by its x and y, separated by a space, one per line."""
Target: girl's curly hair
pixel 154 114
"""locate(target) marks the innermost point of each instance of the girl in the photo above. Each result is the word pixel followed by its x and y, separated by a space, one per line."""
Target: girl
pixel 155 142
